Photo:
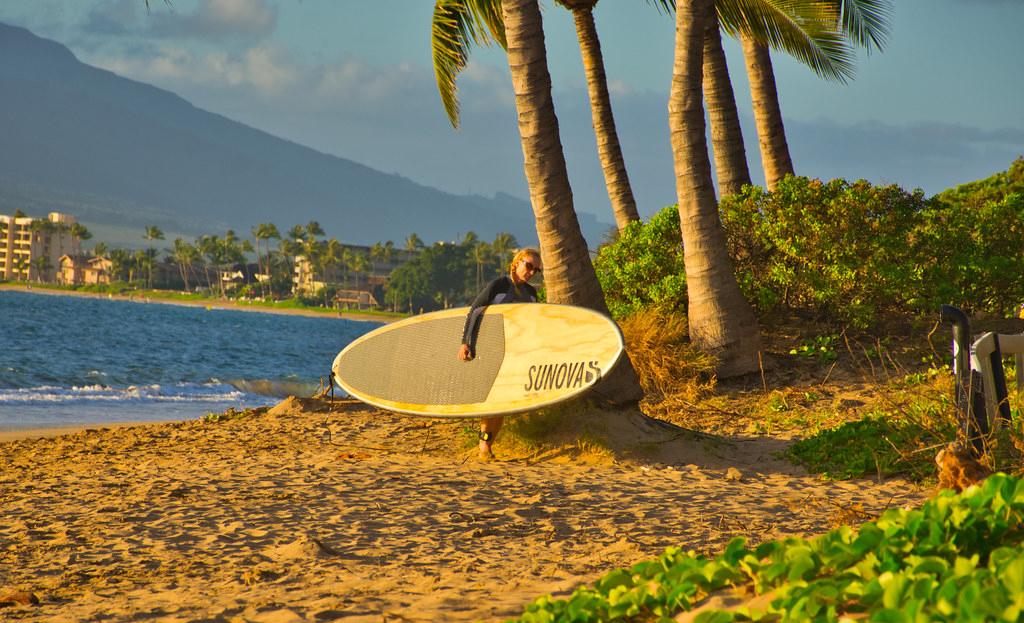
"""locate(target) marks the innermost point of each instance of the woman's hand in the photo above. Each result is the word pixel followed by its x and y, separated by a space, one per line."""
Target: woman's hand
pixel 465 354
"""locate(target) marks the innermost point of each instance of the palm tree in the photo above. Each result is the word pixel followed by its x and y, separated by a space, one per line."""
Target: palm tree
pixel 184 255
pixel 140 263
pixel 458 22
pixel 616 180
pixel 359 264
pixel 223 252
pixel 264 231
pixel 313 229
pixel 100 249
pixel 569 275
pixel 863 22
pixel 333 253
pixel 377 251
pixel 330 254
pixel 120 263
pixel 42 265
pixel 721 321
pixel 79 232
pixel 152 233
pixel 345 262
pixel 42 225
pixel 805 29
pixel 213 250
pixel 381 253
pixel 413 243
pixel 481 252
pixel 311 248
pixel 296 233
pixel 723 114
pixel 502 245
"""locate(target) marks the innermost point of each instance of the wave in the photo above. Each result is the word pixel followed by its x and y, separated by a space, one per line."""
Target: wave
pixel 274 388
pixel 181 392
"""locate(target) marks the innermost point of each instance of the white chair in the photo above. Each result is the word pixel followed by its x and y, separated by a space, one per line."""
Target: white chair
pixel 987 354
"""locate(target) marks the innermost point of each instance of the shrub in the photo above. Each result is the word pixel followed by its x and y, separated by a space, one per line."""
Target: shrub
pixel 840 252
pixel 992 189
pixel 971 256
pixel 644 268
pixel 836 249
pixel 957 558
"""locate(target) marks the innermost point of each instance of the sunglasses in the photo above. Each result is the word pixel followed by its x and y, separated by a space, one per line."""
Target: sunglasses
pixel 533 269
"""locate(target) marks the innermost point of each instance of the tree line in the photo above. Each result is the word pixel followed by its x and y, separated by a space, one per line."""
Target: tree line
pixel 430 277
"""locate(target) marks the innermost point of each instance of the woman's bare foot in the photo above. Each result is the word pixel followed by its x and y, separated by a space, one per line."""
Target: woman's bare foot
pixel 485 453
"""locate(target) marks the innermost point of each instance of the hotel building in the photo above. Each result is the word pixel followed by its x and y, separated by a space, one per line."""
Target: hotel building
pixel 31 248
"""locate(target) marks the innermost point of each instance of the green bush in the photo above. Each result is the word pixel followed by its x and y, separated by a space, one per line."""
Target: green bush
pixel 992 189
pixel 839 252
pixel 957 558
pixel 644 268
pixel 972 256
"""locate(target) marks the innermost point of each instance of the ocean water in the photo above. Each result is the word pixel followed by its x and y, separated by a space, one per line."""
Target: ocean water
pixel 68 360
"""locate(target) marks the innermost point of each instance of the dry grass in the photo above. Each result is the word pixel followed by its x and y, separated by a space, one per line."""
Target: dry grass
pixel 673 374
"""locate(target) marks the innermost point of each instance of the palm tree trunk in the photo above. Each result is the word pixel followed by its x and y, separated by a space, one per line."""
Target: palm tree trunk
pixel 721 321
pixel 612 164
pixel 726 135
pixel 771 134
pixel 569 275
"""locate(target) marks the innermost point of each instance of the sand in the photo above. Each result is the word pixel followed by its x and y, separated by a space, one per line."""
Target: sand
pixel 316 513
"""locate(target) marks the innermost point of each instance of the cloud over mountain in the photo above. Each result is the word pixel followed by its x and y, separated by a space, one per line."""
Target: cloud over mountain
pixel 211 19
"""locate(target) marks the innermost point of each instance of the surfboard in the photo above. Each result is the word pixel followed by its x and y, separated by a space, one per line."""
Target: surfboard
pixel 528 355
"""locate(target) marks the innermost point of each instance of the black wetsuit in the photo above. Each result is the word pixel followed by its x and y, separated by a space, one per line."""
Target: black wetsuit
pixel 501 290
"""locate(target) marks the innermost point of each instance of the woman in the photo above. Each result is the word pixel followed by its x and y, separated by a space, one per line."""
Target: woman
pixel 514 288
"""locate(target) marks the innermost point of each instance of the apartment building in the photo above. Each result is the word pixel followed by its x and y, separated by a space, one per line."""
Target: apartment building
pixel 31 248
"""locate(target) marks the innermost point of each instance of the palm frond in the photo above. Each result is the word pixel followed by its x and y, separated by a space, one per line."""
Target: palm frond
pixel 456 24
pixel 664 6
pixel 804 29
pixel 866 22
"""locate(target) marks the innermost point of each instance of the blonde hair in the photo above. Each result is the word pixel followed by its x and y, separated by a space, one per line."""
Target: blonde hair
pixel 520 256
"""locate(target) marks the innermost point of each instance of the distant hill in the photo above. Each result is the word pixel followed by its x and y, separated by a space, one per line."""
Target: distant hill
pixel 120 153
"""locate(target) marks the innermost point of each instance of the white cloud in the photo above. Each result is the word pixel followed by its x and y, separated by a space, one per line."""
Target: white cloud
pixel 264 69
pixel 112 17
pixel 216 18
pixel 619 87
pixel 268 71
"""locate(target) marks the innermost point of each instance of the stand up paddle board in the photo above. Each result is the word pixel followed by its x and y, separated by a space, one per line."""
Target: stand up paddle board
pixel 528 355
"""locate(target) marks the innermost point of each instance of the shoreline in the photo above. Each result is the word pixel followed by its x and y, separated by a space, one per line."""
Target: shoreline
pixel 15 433
pixel 209 303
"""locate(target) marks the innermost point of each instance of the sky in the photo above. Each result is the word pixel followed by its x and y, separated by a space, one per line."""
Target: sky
pixel 943 103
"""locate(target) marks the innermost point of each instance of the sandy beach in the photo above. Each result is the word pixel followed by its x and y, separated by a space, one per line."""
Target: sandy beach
pixel 320 512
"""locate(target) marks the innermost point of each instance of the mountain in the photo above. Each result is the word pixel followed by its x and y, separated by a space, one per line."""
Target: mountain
pixel 122 154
